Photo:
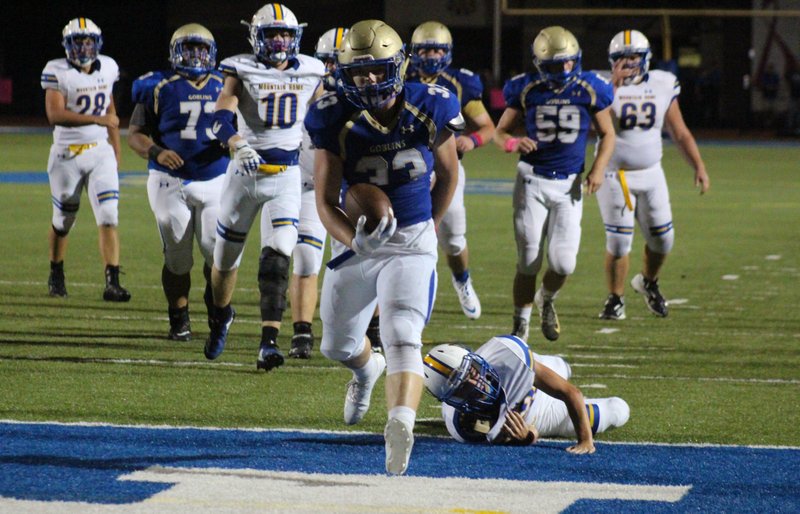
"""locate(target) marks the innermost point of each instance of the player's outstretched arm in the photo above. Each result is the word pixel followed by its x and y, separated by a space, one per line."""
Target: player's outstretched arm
pixel 445 165
pixel 553 384
pixel 605 131
pixel 683 137
pixel 512 122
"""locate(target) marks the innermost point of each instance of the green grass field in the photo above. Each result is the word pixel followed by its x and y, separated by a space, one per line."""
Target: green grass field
pixel 723 368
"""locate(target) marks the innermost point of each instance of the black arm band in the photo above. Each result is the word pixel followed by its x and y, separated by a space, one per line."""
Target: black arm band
pixel 154 151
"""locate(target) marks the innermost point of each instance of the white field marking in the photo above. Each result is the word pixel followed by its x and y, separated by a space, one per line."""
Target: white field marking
pixel 620 348
pixel 593 386
pixel 751 268
pixel 98 284
pixel 678 301
pixel 601 365
pixel 607 331
pixel 246 490
pixel 730 277
pixel 778 381
pixel 772 257
pixel 360 432
pixel 610 357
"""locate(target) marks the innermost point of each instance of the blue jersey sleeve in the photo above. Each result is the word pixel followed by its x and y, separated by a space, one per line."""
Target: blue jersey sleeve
pixel 512 91
pixel 603 90
pixel 142 89
pixel 322 123
pixel 471 86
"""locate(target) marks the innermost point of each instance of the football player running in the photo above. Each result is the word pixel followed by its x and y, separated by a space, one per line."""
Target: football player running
pixel 555 107
pixel 171 128
pixel 504 393
pixel 645 102
pixel 307 255
pixel 267 93
pixel 431 55
pixel 79 103
pixel 378 130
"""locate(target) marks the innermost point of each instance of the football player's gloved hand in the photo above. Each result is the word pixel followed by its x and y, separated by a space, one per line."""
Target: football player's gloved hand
pixel 366 243
pixel 247 159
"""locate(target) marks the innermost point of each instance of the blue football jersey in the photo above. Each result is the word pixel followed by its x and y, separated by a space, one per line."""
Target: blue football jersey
pixel 559 120
pixel 398 158
pixel 182 115
pixel 463 83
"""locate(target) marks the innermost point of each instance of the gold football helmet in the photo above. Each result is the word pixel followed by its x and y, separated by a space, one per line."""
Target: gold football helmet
pixel 375 46
pixel 193 51
pixel 82 39
pixel 552 47
pixel 431 35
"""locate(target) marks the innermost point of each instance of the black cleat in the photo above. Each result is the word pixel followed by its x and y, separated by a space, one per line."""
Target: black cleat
pixel 551 328
pixel 179 327
pixel 56 283
pixel 269 357
pixel 302 344
pixel 220 325
pixel 614 308
pixel 652 295
pixel 116 293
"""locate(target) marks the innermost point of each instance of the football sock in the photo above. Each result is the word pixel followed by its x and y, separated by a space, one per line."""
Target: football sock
pixel 302 327
pixel 57 266
pixel 269 335
pixel 461 277
pixel 405 414
pixel 364 373
pixel 549 295
pixel 523 312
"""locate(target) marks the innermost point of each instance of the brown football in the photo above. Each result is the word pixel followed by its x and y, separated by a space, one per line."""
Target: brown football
pixel 367 200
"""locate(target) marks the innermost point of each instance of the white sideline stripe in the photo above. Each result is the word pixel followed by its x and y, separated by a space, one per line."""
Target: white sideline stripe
pixel 620 348
pixel 361 432
pixel 100 284
pixel 601 365
pixel 151 362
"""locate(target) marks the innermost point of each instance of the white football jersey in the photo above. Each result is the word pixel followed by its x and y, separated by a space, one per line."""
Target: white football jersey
pixel 85 93
pixel 273 102
pixel 513 361
pixel 640 110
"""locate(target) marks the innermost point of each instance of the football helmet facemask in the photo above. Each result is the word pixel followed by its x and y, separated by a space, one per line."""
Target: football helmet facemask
pixel 431 35
pixel 461 379
pixel 553 47
pixel 371 47
pixel 82 39
pixel 193 51
pixel 628 43
pixel 266 22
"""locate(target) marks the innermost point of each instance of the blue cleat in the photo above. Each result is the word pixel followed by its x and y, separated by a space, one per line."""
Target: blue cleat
pixel 215 343
pixel 269 357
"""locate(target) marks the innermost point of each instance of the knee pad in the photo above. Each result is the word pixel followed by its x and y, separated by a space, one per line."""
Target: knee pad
pixel 179 262
pixel 661 243
pixel 107 214
pixel 341 353
pixel 64 218
pixel 619 245
pixel 562 261
pixel 284 239
pixel 307 259
pixel 273 279
pixel 404 357
pixel 452 244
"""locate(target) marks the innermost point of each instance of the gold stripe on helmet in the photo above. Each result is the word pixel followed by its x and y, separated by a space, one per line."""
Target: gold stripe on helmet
pixel 278 12
pixel 337 38
pixel 627 38
pixel 82 23
pixel 437 366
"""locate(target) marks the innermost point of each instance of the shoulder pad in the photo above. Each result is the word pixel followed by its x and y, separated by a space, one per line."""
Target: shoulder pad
pixel 143 86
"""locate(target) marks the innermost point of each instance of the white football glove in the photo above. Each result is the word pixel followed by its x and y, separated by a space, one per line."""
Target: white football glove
pixel 247 159
pixel 365 244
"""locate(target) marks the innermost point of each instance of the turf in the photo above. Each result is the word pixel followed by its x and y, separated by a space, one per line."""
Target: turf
pixel 722 368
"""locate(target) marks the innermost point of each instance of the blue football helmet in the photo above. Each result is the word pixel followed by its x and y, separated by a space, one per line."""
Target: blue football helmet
pixel 553 47
pixel 193 51
pixel 82 39
pixel 267 20
pixel 462 379
pixel 431 35
pixel 628 43
pixel 371 46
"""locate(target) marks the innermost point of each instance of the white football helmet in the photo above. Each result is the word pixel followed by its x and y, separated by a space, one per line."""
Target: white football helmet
pixel 371 44
pixel 551 48
pixel 628 43
pixel 330 43
pixel 269 18
pixel 461 379
pixel 82 39
pixel 193 51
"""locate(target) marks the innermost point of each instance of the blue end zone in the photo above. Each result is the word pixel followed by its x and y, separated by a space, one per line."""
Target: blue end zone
pixel 82 463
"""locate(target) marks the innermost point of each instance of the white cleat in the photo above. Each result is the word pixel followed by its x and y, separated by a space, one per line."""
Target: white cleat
pixel 356 400
pixel 399 442
pixel 470 303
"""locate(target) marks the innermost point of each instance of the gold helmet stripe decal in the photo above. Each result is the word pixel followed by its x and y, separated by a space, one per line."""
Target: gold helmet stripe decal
pixel 278 12
pixel 337 38
pixel 82 23
pixel 627 38
pixel 437 366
